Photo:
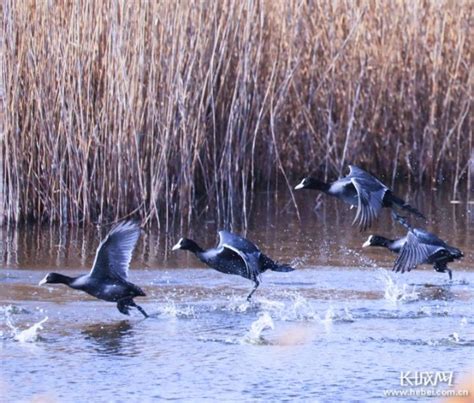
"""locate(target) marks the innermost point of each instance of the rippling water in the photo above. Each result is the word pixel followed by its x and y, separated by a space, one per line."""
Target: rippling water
pixel 341 327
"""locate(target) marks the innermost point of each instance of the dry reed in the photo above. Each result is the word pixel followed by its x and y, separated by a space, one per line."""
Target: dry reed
pixel 164 109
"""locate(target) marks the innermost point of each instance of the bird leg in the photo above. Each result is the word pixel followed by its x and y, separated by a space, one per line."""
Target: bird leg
pixel 123 306
pixel 402 220
pixel 132 303
pixel 450 274
pixel 443 268
pixel 257 283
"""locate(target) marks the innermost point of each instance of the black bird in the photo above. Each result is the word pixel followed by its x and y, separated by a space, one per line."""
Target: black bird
pixel 391 244
pixel 234 255
pixel 418 247
pixel 363 190
pixel 108 278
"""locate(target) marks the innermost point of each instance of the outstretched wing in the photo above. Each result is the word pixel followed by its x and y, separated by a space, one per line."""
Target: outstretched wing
pixel 236 241
pixel 414 252
pixel 251 260
pixel 370 195
pixel 356 172
pixel 115 251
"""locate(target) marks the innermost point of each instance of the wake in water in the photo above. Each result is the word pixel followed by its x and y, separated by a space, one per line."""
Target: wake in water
pixel 452 339
pixel 293 308
pixel 297 308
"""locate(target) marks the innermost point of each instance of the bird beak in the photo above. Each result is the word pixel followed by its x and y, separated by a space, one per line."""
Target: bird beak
pixel 299 186
pixel 44 281
pixel 366 243
pixel 176 247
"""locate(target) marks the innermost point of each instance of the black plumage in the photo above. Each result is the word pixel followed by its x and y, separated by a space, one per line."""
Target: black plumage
pixel 363 190
pixel 108 278
pixel 424 247
pixel 234 255
pixel 395 245
pixel 417 247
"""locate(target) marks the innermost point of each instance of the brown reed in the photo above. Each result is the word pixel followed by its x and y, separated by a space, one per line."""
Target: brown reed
pixel 164 109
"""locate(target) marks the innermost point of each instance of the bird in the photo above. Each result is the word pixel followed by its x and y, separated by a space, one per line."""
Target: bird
pixel 395 245
pixel 107 279
pixel 418 247
pixel 234 255
pixel 362 190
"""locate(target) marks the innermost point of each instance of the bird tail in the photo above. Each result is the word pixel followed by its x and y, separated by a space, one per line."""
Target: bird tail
pixel 281 268
pixel 457 253
pixel 269 264
pixel 394 200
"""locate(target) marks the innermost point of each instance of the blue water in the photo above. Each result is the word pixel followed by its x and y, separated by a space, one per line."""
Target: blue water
pixel 342 327
pixel 317 334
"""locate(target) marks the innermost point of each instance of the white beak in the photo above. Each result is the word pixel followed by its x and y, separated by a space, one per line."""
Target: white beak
pixel 44 281
pixel 367 243
pixel 299 186
pixel 177 246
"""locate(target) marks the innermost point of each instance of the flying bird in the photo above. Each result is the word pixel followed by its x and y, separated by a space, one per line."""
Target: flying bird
pixel 418 247
pixel 362 190
pixel 234 255
pixel 108 278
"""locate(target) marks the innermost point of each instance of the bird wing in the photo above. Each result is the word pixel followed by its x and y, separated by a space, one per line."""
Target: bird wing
pixel 414 252
pixel 370 195
pixel 115 251
pixel 429 238
pixel 236 241
pixel 251 260
pixel 356 172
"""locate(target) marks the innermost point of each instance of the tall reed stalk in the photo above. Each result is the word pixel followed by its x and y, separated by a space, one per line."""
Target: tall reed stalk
pixel 164 109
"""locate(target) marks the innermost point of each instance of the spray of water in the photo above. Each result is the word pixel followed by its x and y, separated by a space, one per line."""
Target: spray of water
pixel 28 335
pixel 359 258
pixel 396 292
pixel 254 335
pixel 170 309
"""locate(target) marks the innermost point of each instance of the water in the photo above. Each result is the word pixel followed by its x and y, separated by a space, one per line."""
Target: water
pixel 341 327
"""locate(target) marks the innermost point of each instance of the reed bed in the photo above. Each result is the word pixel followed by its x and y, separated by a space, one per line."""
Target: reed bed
pixel 166 110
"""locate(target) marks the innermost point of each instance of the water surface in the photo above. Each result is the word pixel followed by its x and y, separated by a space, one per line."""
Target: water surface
pixel 341 327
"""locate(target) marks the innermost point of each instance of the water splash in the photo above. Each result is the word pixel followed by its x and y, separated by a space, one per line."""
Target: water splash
pixel 454 337
pixel 28 335
pixel 171 310
pixel 254 335
pixel 358 258
pixel 299 308
pixel 31 334
pixel 395 292
pixel 295 308
pixel 299 262
pixel 236 304
pixel 328 319
pixel 7 310
pixel 347 317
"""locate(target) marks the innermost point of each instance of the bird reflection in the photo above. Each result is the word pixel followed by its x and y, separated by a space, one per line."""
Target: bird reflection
pixel 111 338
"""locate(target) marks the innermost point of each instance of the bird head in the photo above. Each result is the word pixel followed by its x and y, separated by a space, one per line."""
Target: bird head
pixel 54 278
pixel 375 240
pixel 312 183
pixel 187 244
